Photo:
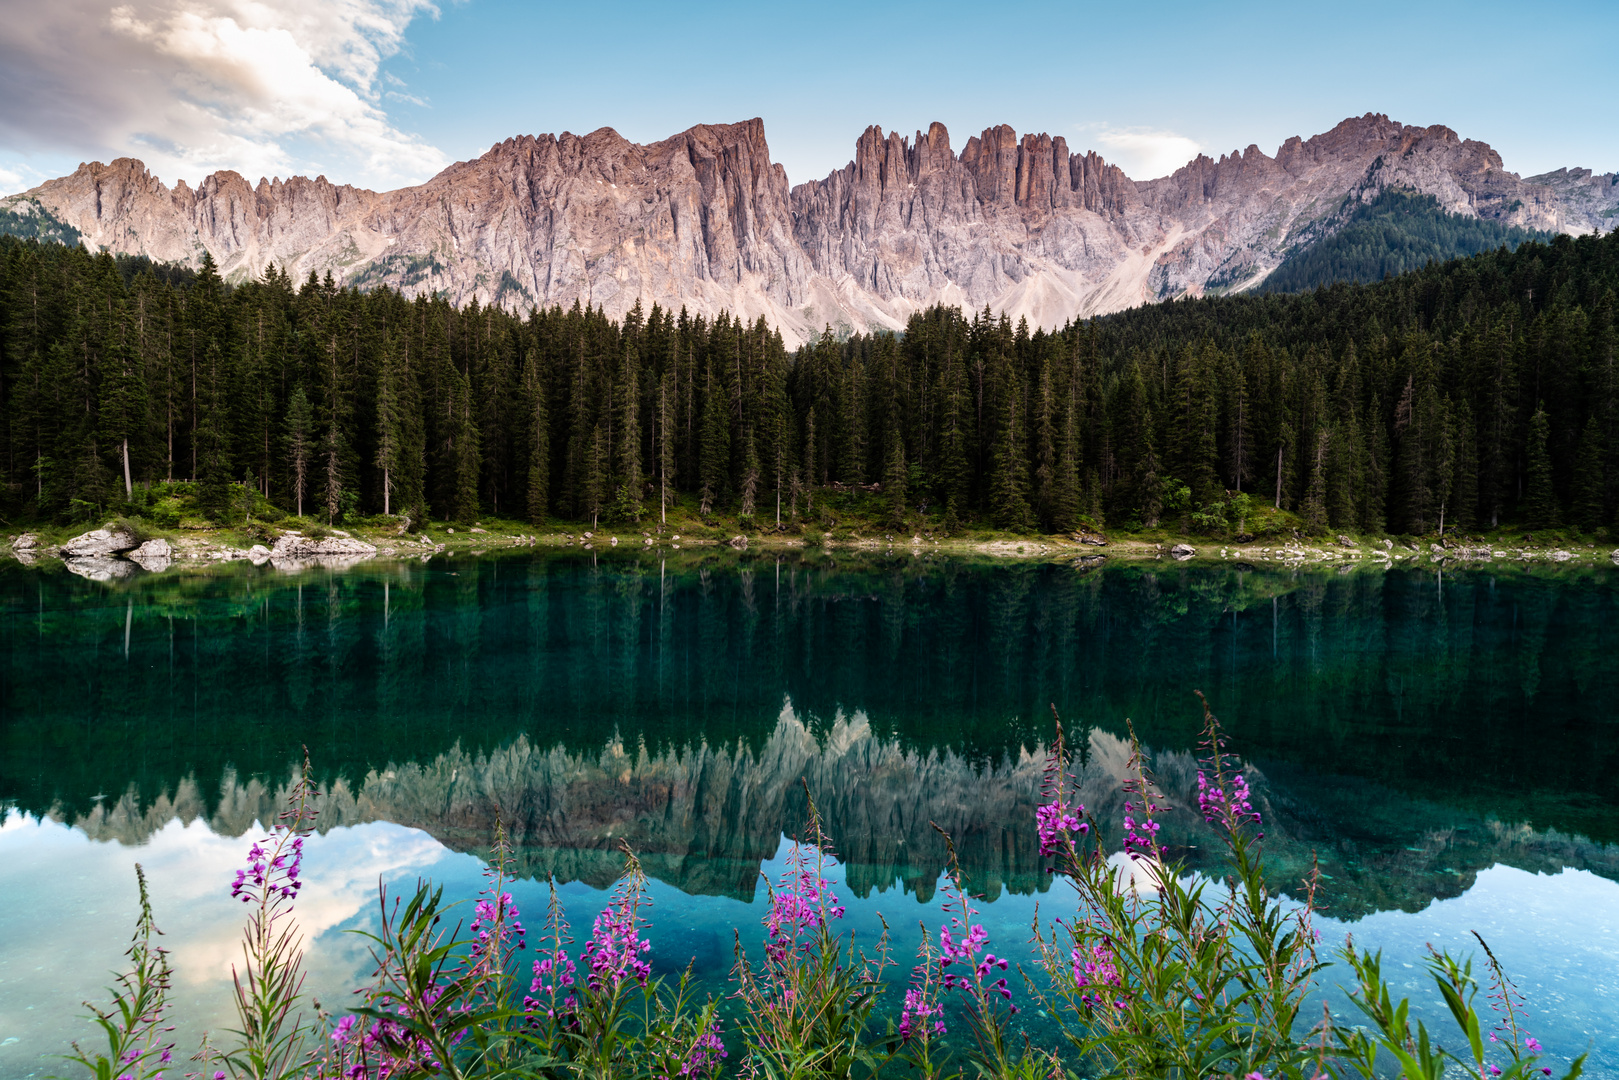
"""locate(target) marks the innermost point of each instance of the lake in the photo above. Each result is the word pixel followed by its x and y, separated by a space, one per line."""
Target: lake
pixel 1445 743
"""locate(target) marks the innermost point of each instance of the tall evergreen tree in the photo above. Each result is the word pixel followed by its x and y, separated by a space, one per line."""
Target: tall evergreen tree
pixel 1539 509
pixel 300 442
pixel 1589 510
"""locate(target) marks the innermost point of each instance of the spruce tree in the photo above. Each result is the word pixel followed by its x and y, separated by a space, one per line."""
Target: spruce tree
pixel 122 401
pixel 300 443
pixel 895 477
pixel 1065 499
pixel 390 422
pixel 1538 509
pixel 667 475
pixel 596 476
pixel 538 487
pixel 715 451
pixel 1315 493
pixel 463 452
pixel 1589 510
pixel 628 398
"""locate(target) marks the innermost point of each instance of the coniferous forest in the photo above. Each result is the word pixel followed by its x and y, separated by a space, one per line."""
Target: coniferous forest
pixel 1476 392
pixel 1396 232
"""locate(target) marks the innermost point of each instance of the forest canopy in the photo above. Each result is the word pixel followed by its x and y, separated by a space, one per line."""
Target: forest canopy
pixel 1399 231
pixel 1477 391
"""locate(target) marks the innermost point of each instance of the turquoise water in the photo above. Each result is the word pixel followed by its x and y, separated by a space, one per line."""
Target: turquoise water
pixel 1444 744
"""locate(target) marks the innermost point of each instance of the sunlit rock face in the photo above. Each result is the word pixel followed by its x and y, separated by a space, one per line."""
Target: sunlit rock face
pixel 706 221
pixel 705 818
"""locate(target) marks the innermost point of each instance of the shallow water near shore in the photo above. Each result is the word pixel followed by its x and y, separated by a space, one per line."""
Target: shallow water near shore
pixel 1447 746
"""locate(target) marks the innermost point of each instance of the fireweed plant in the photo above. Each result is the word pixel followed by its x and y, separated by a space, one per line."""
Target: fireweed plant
pixel 443 1004
pixel 1156 972
pixel 137 1037
pixel 268 987
pixel 808 1002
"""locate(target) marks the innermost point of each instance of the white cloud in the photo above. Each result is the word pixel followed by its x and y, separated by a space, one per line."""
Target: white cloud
pixel 1144 153
pixel 191 86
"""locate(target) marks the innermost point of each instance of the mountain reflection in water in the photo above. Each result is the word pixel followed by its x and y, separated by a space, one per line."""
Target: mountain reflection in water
pixel 704 819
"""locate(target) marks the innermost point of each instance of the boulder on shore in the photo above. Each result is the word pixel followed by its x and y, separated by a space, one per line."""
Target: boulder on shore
pixel 152 549
pixel 293 552
pixel 153 556
pixel 25 542
pixel 1182 552
pixel 99 542
pixel 296 546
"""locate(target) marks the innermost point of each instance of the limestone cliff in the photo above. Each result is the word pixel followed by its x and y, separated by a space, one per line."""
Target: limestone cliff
pixel 707 221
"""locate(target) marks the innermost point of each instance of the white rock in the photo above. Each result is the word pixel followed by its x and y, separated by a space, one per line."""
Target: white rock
pixel 99 542
pixel 301 547
pixel 152 549
pixel 25 542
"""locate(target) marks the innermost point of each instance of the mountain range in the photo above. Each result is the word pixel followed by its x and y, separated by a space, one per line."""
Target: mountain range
pixel 707 221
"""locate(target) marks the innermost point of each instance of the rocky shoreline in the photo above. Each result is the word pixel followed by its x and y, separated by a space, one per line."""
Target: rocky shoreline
pixel 115 551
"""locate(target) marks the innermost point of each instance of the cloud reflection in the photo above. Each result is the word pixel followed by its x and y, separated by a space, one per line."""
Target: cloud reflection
pixel 68 903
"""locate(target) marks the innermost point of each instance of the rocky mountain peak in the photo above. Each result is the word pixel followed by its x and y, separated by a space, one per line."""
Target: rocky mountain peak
pixel 706 220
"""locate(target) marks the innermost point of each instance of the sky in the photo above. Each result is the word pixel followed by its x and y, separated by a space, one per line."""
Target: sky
pixel 383 93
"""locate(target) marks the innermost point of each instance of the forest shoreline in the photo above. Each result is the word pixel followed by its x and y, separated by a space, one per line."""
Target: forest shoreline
pixel 203 549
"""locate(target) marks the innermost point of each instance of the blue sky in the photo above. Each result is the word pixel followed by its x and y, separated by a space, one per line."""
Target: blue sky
pixel 385 92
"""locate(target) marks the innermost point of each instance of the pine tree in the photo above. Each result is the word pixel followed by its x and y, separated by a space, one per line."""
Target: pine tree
pixel 750 476
pixel 1315 497
pixel 300 442
pixel 539 441
pixel 1239 424
pixel 1009 485
pixel 628 397
pixel 123 400
pixel 1045 447
pixel 211 434
pixel 895 477
pixel 1196 417
pixel 464 451
pixel 810 461
pixel 596 476
pixel 1136 490
pixel 714 462
pixel 390 422
pixel 1065 499
pixel 852 466
pixel 955 438
pixel 1538 508
pixel 1464 488
pixel 666 447
pixel 1590 485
